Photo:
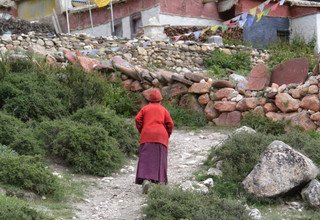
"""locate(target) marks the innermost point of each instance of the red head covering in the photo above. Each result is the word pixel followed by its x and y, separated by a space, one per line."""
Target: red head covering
pixel 155 96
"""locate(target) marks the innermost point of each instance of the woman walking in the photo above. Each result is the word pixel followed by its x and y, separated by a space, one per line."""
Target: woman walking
pixel 155 127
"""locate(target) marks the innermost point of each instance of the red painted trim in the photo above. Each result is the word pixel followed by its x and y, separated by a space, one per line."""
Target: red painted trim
pixel 190 8
pixel 298 11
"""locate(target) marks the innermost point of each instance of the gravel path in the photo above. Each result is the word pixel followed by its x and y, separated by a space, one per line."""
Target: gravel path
pixel 118 198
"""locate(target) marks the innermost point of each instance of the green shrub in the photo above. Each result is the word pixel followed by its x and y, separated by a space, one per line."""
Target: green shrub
pixel 33 96
pixel 119 128
pixel 87 149
pixel 219 61
pixel 296 49
pixel 166 204
pixel 183 117
pixel 124 102
pixel 85 88
pixel 4 150
pixel 14 209
pixel 9 128
pixel 28 173
pixel 26 143
pixel 263 124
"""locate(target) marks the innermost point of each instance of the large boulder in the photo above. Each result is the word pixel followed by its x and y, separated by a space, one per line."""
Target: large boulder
pixel 279 170
pixel 210 112
pixel 174 90
pixel 200 88
pixel 228 119
pixel 310 102
pixel 311 193
pixel 301 119
pixel 259 77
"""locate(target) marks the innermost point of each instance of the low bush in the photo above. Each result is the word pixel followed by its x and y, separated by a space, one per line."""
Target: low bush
pixel 220 61
pixel 296 49
pixel 14 209
pixel 263 124
pixel 184 117
pixel 33 96
pixel 27 172
pixel 9 128
pixel 87 149
pixel 124 102
pixel 85 88
pixel 26 143
pixel 119 128
pixel 171 203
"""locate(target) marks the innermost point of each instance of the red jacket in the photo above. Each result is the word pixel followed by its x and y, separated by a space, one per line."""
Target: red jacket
pixel 154 124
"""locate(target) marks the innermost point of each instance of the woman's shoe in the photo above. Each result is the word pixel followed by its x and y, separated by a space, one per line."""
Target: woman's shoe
pixel 145 186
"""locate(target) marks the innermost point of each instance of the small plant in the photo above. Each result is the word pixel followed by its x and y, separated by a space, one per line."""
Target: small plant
pixel 13 208
pixel 119 128
pixel 87 149
pixel 219 62
pixel 173 203
pixel 296 49
pixel 27 172
pixel 263 124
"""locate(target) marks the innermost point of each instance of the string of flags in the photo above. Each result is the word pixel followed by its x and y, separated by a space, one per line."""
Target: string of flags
pixel 245 18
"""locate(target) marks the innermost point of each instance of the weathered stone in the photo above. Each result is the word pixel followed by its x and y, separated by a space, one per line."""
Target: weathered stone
pixel 39 50
pixel 247 104
pixel 290 71
pixel 228 119
pixel 165 76
pixel 310 102
pixel 196 77
pixel 297 93
pixel 127 84
pixel 189 101
pixel 125 67
pixel 225 106
pixel 286 103
pixel 259 110
pixel 279 170
pixel 136 86
pixel 142 51
pixel 222 84
pixel 259 77
pixel 200 88
pixel 270 107
pixel 223 93
pixel 204 99
pixel 178 78
pixel 210 112
pixel 313 89
pixel 174 90
pixel 315 116
pixel 301 119
pixel 274 116
pixel 311 193
pixel 87 64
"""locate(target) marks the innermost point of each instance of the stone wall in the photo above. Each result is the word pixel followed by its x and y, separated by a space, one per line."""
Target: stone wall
pixel 182 75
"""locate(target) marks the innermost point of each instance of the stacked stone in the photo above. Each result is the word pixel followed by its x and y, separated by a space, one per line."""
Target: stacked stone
pixel 181 57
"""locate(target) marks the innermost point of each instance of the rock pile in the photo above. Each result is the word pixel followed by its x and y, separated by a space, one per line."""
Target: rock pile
pixel 18 26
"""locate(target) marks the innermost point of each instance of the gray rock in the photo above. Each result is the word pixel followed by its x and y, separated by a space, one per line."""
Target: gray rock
pixel 216 39
pixel 311 193
pixel 279 170
pixel 255 214
pixel 244 129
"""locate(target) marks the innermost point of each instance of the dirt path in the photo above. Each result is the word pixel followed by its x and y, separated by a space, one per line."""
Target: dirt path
pixel 118 198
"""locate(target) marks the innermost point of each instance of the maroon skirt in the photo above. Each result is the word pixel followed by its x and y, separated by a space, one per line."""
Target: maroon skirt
pixel 152 164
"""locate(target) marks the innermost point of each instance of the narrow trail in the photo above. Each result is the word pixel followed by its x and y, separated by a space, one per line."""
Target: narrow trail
pixel 118 198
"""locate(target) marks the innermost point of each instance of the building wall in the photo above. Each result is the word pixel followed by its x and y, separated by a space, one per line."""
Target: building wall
pixel 246 5
pixel 35 9
pixel 190 8
pixel 264 32
pixel 306 27
pixel 185 21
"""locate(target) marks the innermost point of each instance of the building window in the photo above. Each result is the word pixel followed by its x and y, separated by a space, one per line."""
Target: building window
pixel 283 35
pixel 117 28
pixel 136 24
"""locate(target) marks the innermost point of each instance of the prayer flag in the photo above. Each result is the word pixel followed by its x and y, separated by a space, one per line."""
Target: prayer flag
pixel 253 11
pixel 266 12
pixel 282 2
pixel 250 20
pixel 205 30
pixel 102 3
pixel 274 7
pixel 261 6
pixel 214 28
pixel 224 27
pixel 259 16
pixel 244 15
pixel 176 38
pixel 236 19
pixel 197 34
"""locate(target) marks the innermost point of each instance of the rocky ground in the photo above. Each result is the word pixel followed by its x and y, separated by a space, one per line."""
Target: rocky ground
pixel 117 197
